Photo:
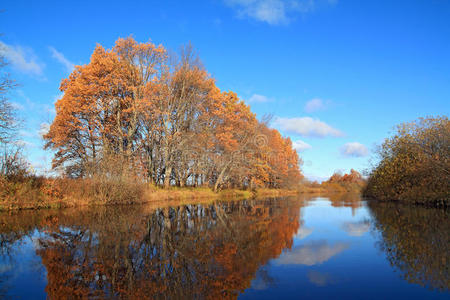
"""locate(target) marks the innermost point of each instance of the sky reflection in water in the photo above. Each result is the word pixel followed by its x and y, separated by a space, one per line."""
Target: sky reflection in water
pixel 264 249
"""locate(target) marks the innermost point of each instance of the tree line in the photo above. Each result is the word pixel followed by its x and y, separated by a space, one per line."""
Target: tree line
pixel 136 110
pixel 414 164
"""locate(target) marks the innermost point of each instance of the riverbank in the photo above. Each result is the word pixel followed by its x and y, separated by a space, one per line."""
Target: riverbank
pixel 41 193
pixel 327 188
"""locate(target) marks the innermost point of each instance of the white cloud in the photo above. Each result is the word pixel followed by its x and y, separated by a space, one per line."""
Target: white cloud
pixel 37 165
pixel 17 106
pixel 307 127
pixel 258 98
pixel 25 144
pixel 300 145
pixel 273 12
pixel 62 59
pixel 44 128
pixel 354 149
pixel 22 59
pixel 356 228
pixel 314 105
pixel 319 179
pixel 310 254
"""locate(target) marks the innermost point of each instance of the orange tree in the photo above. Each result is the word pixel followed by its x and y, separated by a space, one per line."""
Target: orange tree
pixel 131 110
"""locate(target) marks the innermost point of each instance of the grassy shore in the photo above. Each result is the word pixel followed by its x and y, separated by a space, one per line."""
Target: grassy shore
pixel 327 188
pixel 38 193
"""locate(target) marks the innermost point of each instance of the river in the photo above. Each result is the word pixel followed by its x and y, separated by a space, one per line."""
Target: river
pixel 338 246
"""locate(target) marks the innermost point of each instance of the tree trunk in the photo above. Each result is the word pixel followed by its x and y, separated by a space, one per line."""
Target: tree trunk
pixel 220 178
pixel 167 176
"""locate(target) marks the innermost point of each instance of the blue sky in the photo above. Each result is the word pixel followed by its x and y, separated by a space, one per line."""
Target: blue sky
pixel 336 75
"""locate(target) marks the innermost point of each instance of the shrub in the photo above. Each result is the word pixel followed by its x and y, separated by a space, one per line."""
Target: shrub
pixel 414 164
pixel 110 181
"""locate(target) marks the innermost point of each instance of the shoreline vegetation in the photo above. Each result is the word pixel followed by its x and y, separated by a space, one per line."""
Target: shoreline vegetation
pixel 414 165
pixel 140 124
pixel 42 193
pixel 34 192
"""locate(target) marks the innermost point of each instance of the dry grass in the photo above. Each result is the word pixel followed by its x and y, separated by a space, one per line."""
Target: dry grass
pixel 327 187
pixel 98 191
pixel 38 192
pixel 263 192
pixel 175 193
pixel 24 193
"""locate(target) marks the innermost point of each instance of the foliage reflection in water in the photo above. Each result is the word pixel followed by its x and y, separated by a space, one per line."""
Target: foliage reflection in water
pixel 272 248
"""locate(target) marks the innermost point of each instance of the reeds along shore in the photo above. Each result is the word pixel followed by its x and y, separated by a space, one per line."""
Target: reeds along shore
pixel 33 192
pixel 39 192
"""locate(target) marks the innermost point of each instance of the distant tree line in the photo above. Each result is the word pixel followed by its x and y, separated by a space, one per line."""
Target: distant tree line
pixel 351 182
pixel 134 110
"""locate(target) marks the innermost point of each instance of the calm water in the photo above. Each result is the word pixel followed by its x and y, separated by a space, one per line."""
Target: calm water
pixel 257 249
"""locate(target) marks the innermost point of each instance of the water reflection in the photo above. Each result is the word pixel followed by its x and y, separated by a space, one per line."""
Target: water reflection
pixel 273 248
pixel 312 253
pixel 416 241
pixel 304 232
pixel 356 228
pixel 319 279
pixel 190 251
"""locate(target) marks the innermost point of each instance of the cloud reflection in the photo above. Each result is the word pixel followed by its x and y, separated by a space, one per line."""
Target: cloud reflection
pixel 303 232
pixel 318 278
pixel 356 228
pixel 312 253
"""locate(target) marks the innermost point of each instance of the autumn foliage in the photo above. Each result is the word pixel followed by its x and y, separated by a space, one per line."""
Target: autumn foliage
pixel 193 251
pixel 414 164
pixel 165 121
pixel 351 182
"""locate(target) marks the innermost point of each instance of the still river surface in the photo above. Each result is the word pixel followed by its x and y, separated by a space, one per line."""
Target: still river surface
pixel 279 248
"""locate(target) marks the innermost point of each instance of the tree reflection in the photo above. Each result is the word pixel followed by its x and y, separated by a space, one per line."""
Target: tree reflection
pixel 416 241
pixel 352 200
pixel 187 251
